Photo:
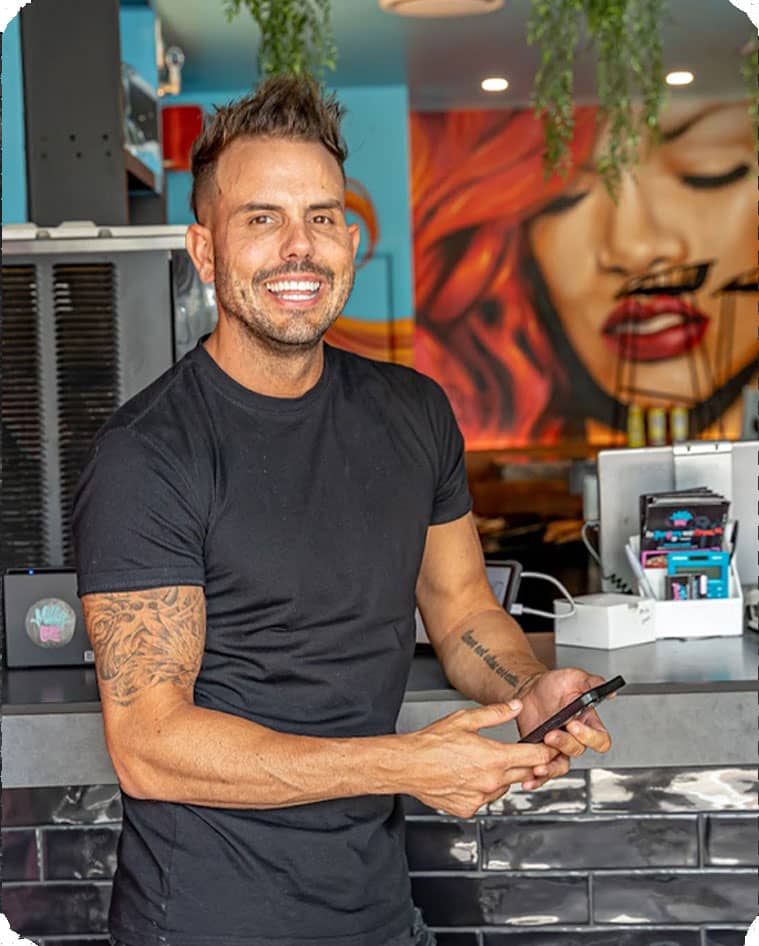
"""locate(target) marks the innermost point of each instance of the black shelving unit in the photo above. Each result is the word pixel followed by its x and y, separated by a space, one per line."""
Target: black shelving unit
pixel 77 165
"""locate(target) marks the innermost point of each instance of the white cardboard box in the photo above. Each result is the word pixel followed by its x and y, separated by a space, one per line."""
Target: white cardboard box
pixel 605 621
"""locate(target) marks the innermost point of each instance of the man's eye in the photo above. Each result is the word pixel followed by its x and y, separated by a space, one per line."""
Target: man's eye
pixel 707 181
pixel 322 218
pixel 261 218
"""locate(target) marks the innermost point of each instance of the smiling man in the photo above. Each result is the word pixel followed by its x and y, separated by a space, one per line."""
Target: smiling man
pixel 253 532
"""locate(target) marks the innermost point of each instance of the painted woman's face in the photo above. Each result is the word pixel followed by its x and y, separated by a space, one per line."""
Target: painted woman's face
pixel 642 288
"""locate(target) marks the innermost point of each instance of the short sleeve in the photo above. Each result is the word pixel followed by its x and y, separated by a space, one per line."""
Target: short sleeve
pixel 137 521
pixel 452 498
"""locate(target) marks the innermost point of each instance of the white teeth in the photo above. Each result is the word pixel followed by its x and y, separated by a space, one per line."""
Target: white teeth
pixel 656 324
pixel 293 285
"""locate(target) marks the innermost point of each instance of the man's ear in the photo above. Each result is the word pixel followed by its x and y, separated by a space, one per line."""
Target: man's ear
pixel 355 234
pixel 200 247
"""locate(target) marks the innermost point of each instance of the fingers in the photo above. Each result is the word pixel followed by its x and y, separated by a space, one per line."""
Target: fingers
pixel 482 717
pixel 580 736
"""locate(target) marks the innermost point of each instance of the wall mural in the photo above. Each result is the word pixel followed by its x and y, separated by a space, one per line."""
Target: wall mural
pixel 545 310
pixel 387 339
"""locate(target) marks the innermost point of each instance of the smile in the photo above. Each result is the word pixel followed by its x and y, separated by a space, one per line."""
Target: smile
pixel 294 290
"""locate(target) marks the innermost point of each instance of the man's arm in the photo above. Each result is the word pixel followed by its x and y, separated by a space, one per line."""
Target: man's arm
pixel 484 652
pixel 148 652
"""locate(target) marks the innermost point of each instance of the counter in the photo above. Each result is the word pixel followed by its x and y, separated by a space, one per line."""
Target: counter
pixel 667 715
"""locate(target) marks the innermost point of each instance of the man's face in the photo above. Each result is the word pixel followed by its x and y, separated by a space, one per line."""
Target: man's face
pixel 283 254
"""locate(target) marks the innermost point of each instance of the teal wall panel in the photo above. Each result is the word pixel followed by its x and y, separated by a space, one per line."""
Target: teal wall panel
pixel 14 143
pixel 138 48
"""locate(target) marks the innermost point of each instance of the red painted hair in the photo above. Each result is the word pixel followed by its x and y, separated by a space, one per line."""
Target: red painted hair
pixel 477 176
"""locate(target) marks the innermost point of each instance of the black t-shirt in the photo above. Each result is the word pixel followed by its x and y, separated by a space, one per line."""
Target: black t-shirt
pixel 304 520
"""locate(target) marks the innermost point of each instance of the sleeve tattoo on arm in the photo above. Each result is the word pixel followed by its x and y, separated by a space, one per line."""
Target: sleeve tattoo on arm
pixel 145 638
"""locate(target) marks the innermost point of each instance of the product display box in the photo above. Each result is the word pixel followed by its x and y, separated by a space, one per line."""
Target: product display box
pixel 706 617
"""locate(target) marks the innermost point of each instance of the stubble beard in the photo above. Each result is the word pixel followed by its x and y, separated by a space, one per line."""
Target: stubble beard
pixel 299 333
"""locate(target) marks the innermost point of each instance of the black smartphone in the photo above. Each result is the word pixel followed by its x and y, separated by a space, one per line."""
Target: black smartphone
pixel 560 719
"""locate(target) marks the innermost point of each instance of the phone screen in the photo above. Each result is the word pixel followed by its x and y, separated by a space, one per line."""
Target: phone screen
pixel 560 719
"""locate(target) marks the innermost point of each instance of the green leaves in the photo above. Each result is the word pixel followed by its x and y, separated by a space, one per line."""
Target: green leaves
pixel 750 73
pixel 296 35
pixel 630 77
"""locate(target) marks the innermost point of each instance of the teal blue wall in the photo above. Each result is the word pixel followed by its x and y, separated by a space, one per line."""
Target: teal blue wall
pixel 14 146
pixel 137 28
pixel 138 50
pixel 376 130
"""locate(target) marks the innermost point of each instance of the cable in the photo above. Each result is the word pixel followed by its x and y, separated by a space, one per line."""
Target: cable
pixel 619 583
pixel 517 608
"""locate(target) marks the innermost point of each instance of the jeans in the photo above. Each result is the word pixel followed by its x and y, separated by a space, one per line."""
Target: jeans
pixel 420 935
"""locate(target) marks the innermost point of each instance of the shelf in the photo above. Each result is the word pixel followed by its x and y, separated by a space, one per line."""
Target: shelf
pixel 138 173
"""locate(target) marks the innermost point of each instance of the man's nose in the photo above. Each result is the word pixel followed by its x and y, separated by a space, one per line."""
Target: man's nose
pixel 636 238
pixel 297 242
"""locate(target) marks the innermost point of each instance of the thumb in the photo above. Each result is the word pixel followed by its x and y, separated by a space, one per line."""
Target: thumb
pixel 494 714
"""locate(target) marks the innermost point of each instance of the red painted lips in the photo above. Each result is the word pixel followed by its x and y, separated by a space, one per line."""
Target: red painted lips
pixel 654 328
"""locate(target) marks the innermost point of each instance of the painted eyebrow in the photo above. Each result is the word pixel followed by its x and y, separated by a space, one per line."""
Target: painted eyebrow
pixel 255 207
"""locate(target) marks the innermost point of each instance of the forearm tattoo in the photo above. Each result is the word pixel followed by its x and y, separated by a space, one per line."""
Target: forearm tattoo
pixel 483 652
pixel 143 638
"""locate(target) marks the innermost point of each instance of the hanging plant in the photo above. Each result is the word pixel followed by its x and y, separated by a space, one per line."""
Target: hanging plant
pixel 750 73
pixel 296 35
pixel 626 36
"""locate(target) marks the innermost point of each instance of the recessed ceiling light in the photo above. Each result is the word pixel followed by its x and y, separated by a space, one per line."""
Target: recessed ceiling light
pixel 495 84
pixel 440 7
pixel 679 78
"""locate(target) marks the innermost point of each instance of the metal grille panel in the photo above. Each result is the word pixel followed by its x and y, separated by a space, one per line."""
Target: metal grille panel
pixel 87 367
pixel 22 533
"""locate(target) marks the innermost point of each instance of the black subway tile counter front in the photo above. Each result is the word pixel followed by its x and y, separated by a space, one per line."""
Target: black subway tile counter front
pixel 707 896
pixel 589 843
pixel 596 937
pixel 654 844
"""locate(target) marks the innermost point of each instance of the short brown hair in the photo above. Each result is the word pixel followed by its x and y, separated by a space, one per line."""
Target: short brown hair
pixel 290 107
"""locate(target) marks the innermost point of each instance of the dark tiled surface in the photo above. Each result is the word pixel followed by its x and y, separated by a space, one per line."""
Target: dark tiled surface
pixel 457 939
pixel 57 909
pixel 79 853
pixel 20 858
pixel 441 845
pixel 88 804
pixel 724 937
pixel 731 841
pixel 616 937
pixel 568 795
pixel 709 897
pixel 530 844
pixel 665 790
pixel 493 901
pixel 88 941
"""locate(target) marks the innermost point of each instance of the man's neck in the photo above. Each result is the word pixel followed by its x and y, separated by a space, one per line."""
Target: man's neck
pixel 260 368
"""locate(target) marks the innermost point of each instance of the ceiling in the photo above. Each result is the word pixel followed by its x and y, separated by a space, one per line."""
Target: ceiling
pixel 443 60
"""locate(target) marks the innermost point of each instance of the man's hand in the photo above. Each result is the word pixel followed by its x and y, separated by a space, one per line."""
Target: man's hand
pixel 454 769
pixel 549 693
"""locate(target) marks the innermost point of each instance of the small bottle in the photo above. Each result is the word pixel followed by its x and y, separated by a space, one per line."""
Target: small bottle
pixel 636 433
pixel 657 427
pixel 678 424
